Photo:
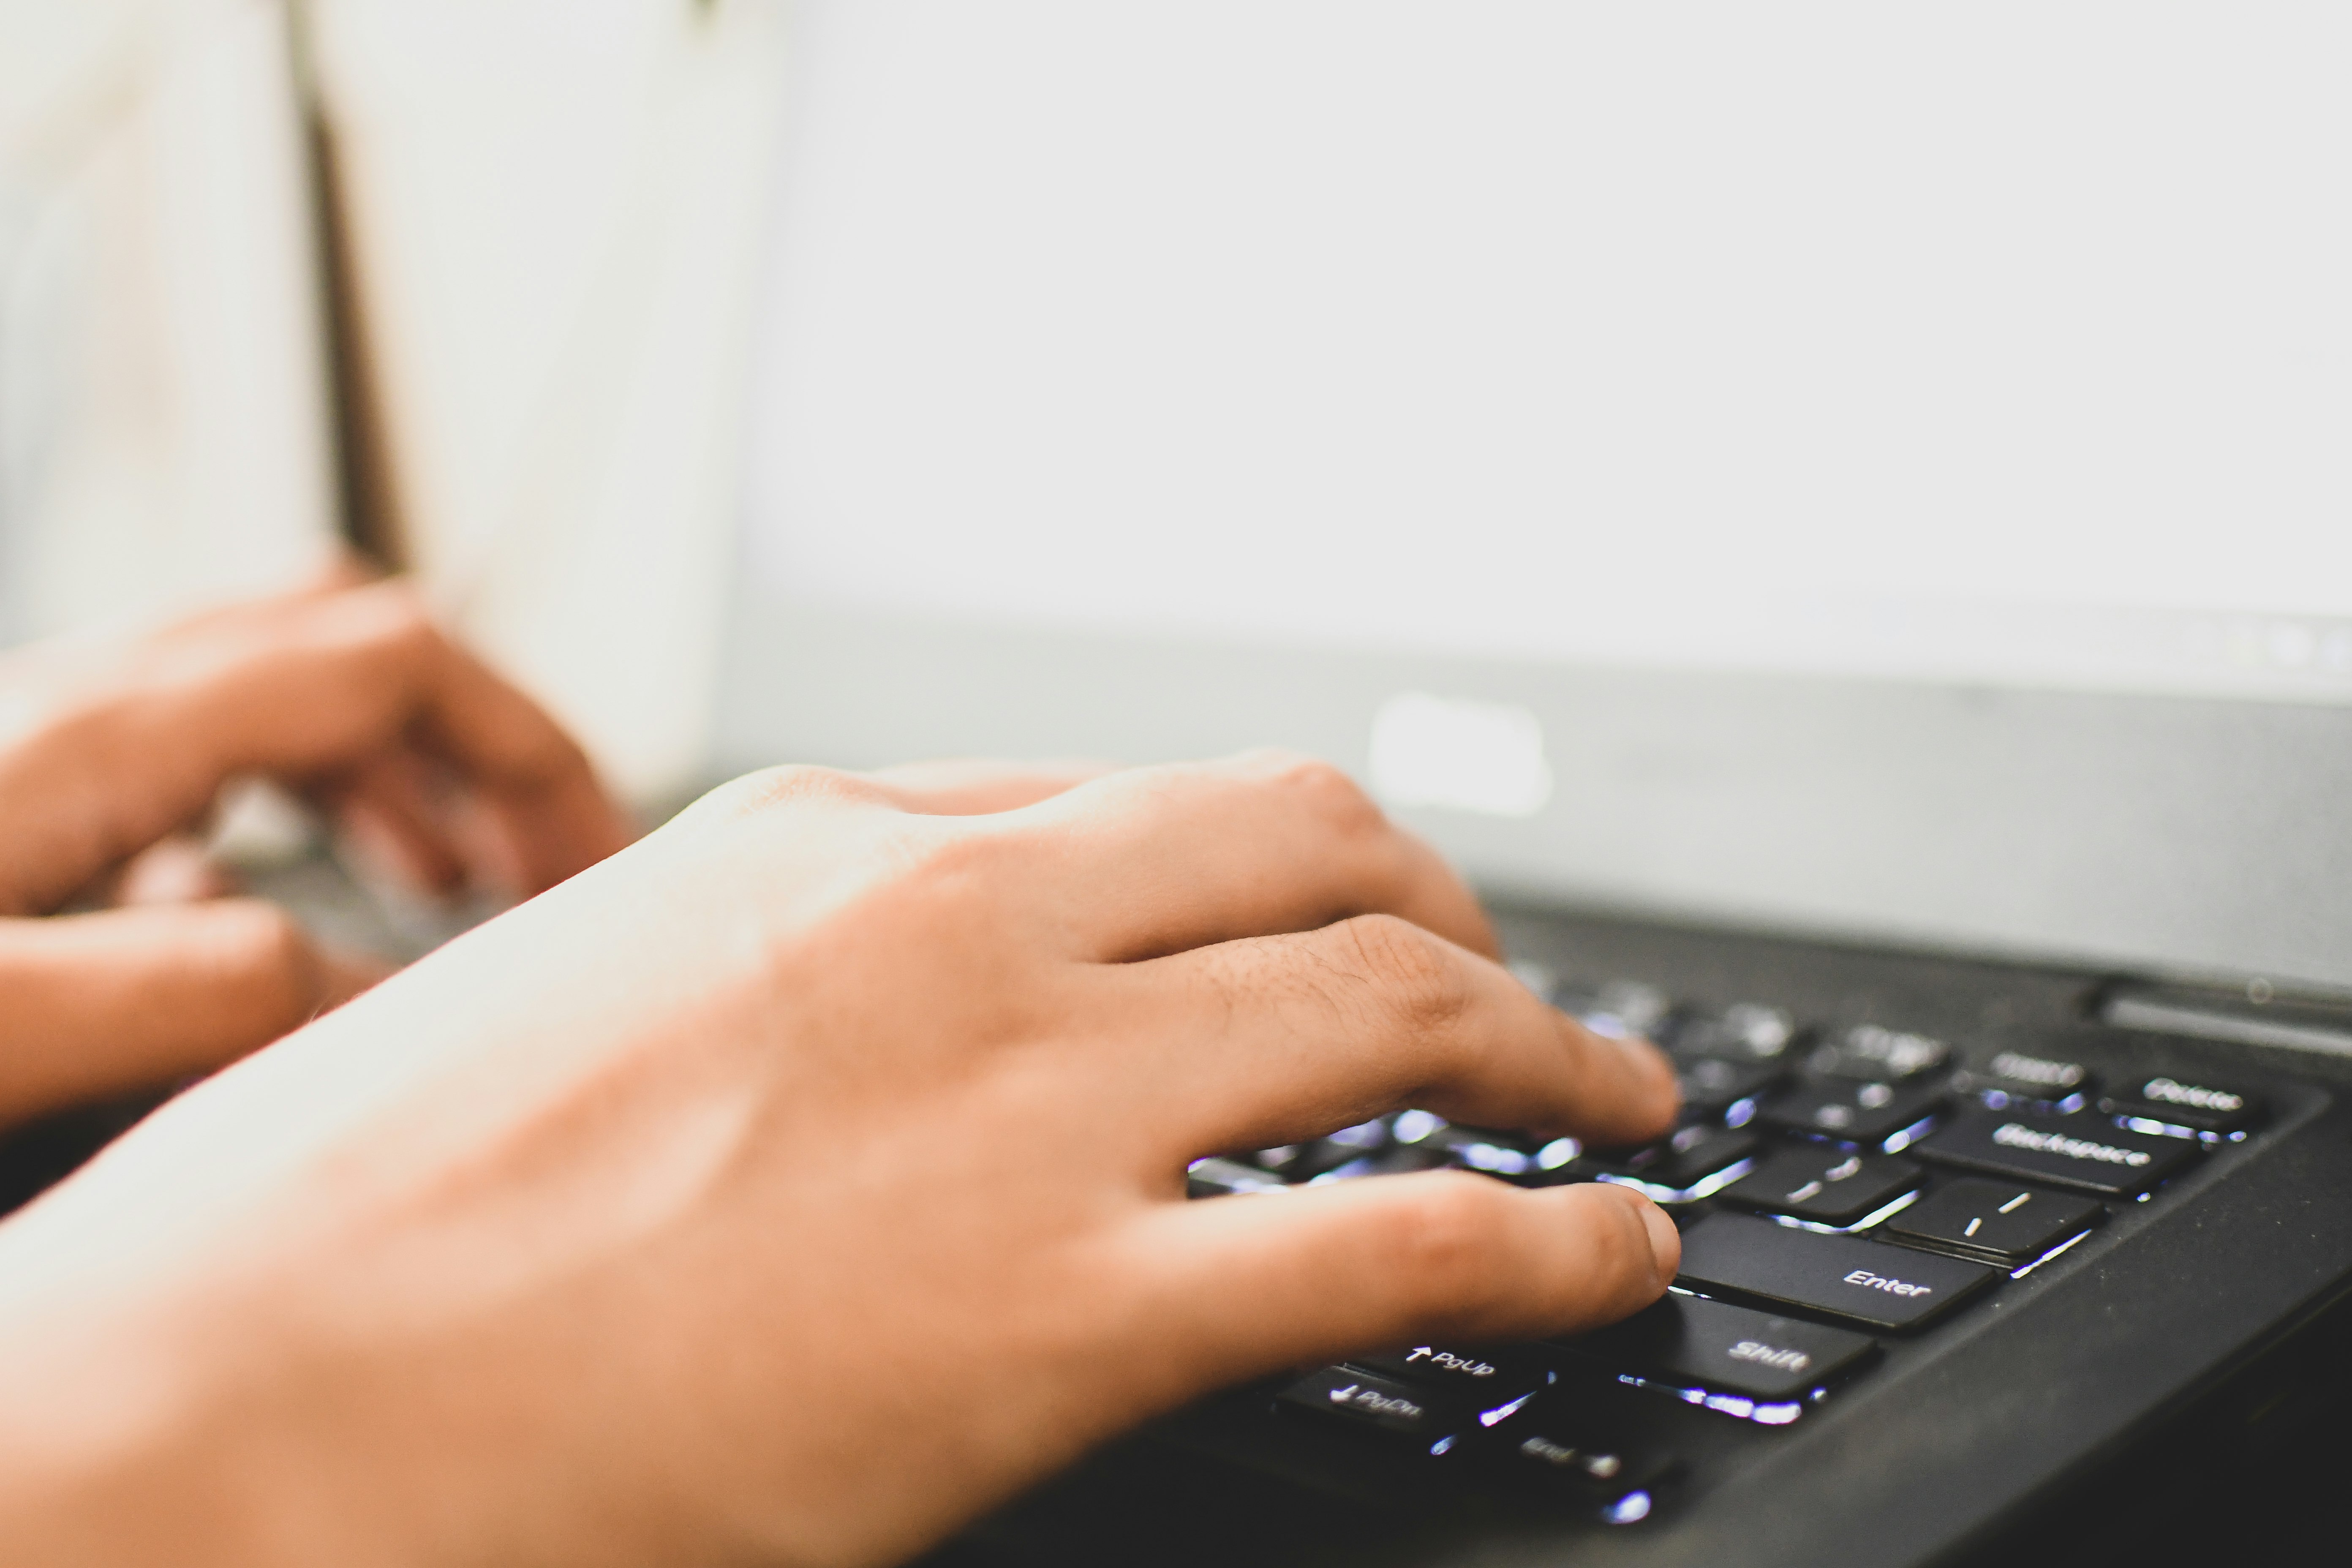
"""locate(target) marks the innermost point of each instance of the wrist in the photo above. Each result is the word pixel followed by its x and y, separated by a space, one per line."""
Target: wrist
pixel 111 1450
pixel 161 1400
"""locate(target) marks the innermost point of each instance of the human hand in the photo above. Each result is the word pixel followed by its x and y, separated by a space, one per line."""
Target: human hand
pixel 344 693
pixel 800 1182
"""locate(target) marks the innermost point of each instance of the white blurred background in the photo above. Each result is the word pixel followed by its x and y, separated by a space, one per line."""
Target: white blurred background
pixel 162 435
pixel 543 212
pixel 2006 343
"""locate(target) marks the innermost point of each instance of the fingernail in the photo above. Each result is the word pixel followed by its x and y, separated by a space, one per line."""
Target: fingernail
pixel 1665 1241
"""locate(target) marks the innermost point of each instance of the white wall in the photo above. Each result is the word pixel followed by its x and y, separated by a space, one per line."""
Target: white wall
pixel 163 434
pixel 556 206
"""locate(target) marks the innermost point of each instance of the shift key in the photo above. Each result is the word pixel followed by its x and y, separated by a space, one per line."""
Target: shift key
pixel 1848 1277
pixel 1691 1340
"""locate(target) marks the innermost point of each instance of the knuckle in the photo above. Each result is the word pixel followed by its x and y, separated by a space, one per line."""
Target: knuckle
pixel 1328 795
pixel 947 888
pixel 1422 980
pixel 1450 1241
pixel 956 868
pixel 776 789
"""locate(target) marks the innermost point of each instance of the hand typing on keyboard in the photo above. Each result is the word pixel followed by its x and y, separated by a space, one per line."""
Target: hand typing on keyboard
pixel 110 753
pixel 807 1177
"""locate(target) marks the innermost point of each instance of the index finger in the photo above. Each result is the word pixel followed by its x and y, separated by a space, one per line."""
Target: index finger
pixel 1159 860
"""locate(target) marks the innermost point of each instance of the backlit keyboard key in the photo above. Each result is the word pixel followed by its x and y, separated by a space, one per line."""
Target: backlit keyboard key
pixel 1619 1009
pixel 1690 1164
pixel 1995 1221
pixel 1864 1115
pixel 2076 1153
pixel 1712 1087
pixel 1580 1443
pixel 1394 1162
pixel 1471 1148
pixel 1825 1186
pixel 2209 1109
pixel 1214 1177
pixel 1719 1348
pixel 1848 1277
pixel 1489 1375
pixel 2014 1079
pixel 1872 1054
pixel 1380 1403
pixel 1743 1032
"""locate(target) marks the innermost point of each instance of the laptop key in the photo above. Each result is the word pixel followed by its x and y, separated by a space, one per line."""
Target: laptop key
pixel 1712 1087
pixel 1303 1162
pixel 1692 1162
pixel 2207 1109
pixel 1619 1009
pixel 1865 1115
pixel 1384 1405
pixel 1620 1481
pixel 2015 1079
pixel 1215 1177
pixel 1825 1186
pixel 2074 1152
pixel 1504 1155
pixel 1719 1348
pixel 1744 1031
pixel 1848 1277
pixel 1491 1375
pixel 1387 1162
pixel 1872 1054
pixel 1994 1221
pixel 1584 1444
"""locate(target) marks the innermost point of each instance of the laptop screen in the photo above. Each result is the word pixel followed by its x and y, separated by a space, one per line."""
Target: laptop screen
pixel 2005 343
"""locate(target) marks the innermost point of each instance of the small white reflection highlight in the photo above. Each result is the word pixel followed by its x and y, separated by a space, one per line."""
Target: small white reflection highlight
pixel 2075 1240
pixel 1502 1413
pixel 1413 1126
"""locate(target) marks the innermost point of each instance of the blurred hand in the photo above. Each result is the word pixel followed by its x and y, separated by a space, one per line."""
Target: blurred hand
pixel 800 1182
pixel 107 756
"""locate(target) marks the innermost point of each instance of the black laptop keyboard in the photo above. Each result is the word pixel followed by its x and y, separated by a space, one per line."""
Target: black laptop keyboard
pixel 1836 1187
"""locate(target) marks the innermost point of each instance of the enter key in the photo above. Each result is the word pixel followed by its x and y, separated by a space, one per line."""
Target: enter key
pixel 1864 1282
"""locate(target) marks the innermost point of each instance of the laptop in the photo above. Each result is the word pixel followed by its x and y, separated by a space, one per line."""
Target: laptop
pixel 1835 516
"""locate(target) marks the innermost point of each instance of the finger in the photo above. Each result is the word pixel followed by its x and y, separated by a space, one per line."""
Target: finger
pixel 342 677
pixel 388 810
pixel 1174 858
pixel 530 778
pixel 124 999
pixel 1369 1265
pixel 295 688
pixel 1277 1039
pixel 978 787
pixel 344 974
pixel 177 870
pixel 344 571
